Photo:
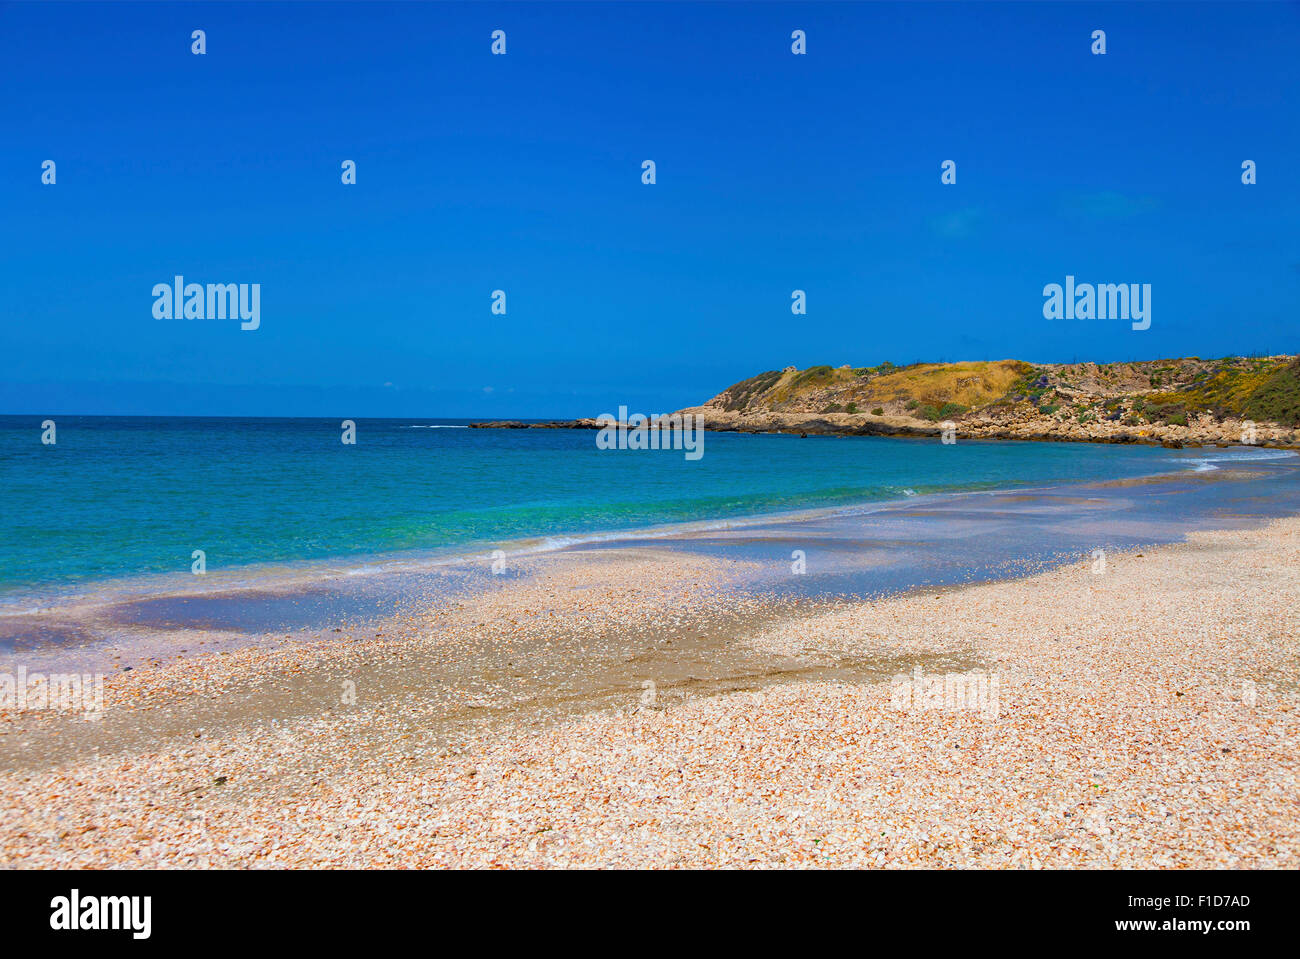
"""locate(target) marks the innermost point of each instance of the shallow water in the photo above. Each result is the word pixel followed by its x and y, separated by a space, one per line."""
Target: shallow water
pixel 865 550
pixel 123 502
pixel 950 539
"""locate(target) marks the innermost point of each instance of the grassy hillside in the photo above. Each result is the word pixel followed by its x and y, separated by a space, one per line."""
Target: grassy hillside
pixel 1264 389
pixel 1261 390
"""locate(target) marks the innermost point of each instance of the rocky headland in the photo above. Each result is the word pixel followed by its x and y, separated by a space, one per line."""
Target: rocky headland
pixel 1179 402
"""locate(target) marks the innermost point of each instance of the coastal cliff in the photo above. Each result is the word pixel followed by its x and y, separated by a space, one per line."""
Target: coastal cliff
pixel 1175 402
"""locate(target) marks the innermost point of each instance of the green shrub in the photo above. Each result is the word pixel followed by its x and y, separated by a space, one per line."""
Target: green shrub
pixel 833 408
pixel 947 411
pixel 1278 397
pixel 743 393
pixel 1165 413
pixel 851 408
pixel 885 367
pixel 813 375
pixel 878 411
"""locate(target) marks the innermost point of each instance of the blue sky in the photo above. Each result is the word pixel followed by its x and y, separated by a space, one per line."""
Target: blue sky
pixel 522 172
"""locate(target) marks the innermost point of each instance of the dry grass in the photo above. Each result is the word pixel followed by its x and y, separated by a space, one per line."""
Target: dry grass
pixel 973 385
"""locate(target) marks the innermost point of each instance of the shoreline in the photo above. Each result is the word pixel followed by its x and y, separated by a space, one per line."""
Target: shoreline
pixel 712 420
pixel 286 574
pixel 1109 685
pixel 270 607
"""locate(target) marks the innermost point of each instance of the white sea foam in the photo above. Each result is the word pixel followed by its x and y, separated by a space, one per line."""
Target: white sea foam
pixel 1205 462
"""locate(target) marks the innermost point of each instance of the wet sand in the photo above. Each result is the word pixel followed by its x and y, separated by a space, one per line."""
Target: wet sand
pixel 577 635
pixel 847 553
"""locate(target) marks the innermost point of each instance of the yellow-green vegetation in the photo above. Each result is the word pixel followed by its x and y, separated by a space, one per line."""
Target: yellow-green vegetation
pixel 752 391
pixel 796 383
pixel 775 388
pixel 936 385
pixel 941 389
pixel 1278 398
pixel 1265 389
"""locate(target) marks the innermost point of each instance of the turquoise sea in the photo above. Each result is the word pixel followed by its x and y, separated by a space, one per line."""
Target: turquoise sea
pixel 117 498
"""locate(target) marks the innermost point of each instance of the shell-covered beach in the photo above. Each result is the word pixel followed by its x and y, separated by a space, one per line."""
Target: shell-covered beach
pixel 638 707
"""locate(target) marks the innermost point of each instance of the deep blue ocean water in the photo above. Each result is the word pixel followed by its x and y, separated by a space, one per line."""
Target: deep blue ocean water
pixel 122 497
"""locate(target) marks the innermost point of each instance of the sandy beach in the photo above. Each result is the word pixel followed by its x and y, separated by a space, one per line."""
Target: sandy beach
pixel 631 709
pixel 675 436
